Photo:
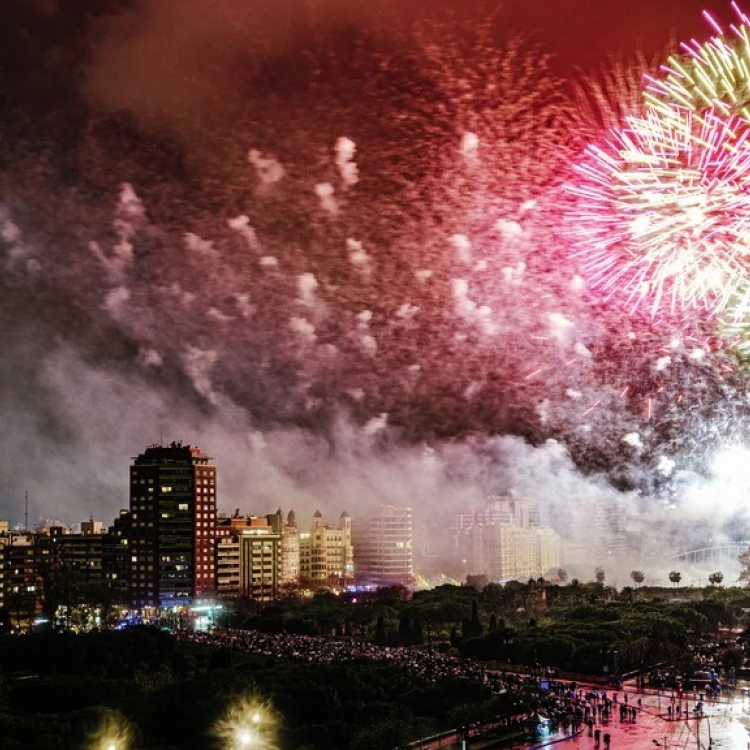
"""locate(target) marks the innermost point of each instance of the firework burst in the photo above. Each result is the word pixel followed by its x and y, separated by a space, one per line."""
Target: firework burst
pixel 664 203
pixel 713 75
pixel 664 209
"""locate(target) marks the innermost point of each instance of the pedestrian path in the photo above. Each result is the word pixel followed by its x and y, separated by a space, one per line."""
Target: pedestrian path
pixel 723 725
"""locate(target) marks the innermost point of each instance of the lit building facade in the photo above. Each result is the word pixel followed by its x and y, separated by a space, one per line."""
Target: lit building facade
pixel 74 558
pixel 383 542
pixel 172 526
pixel 4 542
pixel 255 556
pixel 290 550
pixel 116 562
pixel 326 552
pixel 506 540
pixel 23 582
pixel 260 560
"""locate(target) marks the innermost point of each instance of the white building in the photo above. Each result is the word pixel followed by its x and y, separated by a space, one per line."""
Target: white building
pixel 383 554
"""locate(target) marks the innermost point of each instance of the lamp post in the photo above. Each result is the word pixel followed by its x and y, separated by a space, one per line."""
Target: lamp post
pixel 247 736
pixel 616 667
pixel 698 730
pixel 247 725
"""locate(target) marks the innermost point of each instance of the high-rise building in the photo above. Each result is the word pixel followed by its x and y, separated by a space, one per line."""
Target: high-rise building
pixel 289 575
pixel 382 544
pixel 249 556
pixel 325 552
pixel 116 562
pixel 173 519
pixel 73 559
pixel 506 551
pixel 506 539
pixel 4 542
pixel 228 531
pixel 260 560
pixel 23 582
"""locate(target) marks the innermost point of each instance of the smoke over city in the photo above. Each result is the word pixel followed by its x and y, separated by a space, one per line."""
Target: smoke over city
pixel 329 247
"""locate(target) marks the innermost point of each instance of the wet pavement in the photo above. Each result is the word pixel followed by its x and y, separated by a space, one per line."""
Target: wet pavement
pixel 724 725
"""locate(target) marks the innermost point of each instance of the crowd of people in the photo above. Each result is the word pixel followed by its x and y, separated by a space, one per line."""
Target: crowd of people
pixel 543 705
pixel 429 664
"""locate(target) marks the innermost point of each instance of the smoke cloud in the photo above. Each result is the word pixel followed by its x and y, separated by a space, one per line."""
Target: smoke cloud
pixel 283 232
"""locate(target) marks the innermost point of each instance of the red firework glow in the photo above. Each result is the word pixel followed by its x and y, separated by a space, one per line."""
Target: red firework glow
pixel 663 208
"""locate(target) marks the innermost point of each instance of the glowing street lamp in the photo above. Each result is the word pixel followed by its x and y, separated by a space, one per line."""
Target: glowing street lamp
pixel 113 733
pixel 247 725
pixel 245 738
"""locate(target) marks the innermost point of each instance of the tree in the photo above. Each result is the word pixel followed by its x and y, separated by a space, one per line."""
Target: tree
pixel 600 575
pixel 637 576
pixel 716 578
pixel 475 627
pixel 562 575
pixel 405 630
pixel 416 632
pixel 380 635
pixel 675 577
pixel 744 560
pixel 477 581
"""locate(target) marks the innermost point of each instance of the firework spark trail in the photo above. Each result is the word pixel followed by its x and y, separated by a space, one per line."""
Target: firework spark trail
pixel 715 74
pixel 664 202
pixel 665 210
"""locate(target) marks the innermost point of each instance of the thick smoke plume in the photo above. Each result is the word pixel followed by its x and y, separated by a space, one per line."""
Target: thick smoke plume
pixel 330 250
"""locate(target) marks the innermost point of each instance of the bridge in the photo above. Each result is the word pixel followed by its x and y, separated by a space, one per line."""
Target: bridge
pixel 723 553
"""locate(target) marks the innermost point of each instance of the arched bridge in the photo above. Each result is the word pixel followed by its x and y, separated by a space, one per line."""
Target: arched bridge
pixel 709 555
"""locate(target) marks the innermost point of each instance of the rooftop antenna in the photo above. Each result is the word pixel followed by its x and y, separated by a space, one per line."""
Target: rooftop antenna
pixel 26 511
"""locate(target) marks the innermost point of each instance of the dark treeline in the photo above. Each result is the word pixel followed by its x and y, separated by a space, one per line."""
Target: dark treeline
pixel 56 688
pixel 575 628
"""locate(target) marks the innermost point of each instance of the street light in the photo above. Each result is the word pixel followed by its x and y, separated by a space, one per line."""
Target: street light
pixel 698 730
pixel 245 738
pixel 113 733
pixel 247 724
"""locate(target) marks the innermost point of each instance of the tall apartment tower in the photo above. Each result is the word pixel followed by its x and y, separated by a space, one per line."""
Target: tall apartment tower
pixel 172 526
pixel 116 559
pixel 289 548
pixel 4 542
pixel 383 542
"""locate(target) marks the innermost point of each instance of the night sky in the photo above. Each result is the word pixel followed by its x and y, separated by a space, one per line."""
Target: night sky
pixel 191 251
